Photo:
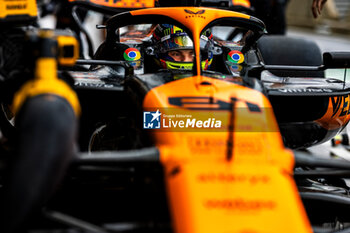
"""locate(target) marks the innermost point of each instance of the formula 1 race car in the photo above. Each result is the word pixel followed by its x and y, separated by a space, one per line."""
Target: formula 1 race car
pixel 205 145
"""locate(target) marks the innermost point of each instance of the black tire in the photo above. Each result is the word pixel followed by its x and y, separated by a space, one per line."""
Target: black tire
pixel 283 50
pixel 46 144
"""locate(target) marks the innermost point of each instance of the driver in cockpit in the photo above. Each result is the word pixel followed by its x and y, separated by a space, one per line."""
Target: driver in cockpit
pixel 173 48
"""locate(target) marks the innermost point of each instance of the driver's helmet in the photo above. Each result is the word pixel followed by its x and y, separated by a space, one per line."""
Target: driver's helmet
pixel 168 37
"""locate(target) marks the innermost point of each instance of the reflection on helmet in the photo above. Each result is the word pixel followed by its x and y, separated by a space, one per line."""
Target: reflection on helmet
pixel 167 37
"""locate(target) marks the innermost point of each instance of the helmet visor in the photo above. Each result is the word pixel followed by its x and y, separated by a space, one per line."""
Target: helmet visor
pixel 177 42
pixel 173 65
pixel 180 41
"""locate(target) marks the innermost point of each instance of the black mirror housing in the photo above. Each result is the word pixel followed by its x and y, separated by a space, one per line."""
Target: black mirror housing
pixel 336 59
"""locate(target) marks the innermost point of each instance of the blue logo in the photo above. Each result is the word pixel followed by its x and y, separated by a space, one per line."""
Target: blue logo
pixel 151 120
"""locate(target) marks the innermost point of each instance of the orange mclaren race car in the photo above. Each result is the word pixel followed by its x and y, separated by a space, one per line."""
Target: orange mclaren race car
pixel 185 130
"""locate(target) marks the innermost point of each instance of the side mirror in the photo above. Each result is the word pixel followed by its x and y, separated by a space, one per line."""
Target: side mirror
pixel 336 59
pixel 217 50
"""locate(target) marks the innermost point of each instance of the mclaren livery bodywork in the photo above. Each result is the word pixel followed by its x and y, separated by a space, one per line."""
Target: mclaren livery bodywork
pixel 235 175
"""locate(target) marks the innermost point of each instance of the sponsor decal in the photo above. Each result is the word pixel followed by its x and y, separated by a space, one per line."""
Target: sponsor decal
pixel 340 105
pixel 16 7
pixel 235 56
pixel 192 14
pixel 233 178
pixel 97 85
pixel 304 90
pixel 337 114
pixel 195 13
pixel 132 54
pixel 241 204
